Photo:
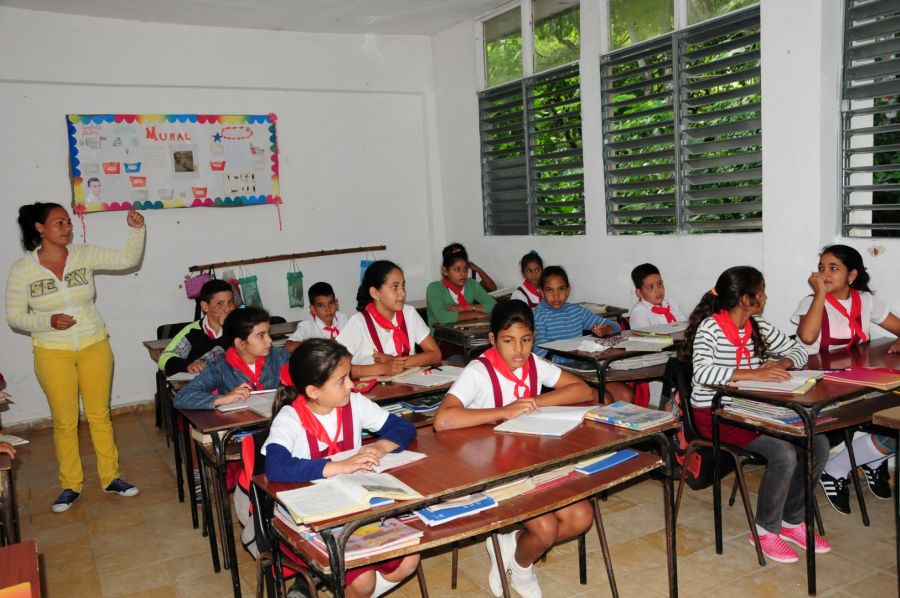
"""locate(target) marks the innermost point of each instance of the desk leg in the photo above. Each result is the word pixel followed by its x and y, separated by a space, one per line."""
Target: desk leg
pixel 897 510
pixel 227 531
pixel 665 451
pixel 10 525
pixel 209 527
pixel 187 442
pixel 809 490
pixel 177 447
pixel 607 559
pixel 717 474
pixel 854 475
pixel 336 560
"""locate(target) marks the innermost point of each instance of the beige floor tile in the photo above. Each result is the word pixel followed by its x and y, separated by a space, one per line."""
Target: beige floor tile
pixel 138 579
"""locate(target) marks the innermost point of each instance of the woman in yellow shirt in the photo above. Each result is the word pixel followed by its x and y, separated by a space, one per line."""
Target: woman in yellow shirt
pixel 50 294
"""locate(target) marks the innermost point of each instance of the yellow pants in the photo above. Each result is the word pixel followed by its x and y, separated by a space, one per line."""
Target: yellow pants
pixel 62 374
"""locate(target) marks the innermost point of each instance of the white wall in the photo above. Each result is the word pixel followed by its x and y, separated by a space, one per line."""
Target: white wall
pixel 801 100
pixel 356 135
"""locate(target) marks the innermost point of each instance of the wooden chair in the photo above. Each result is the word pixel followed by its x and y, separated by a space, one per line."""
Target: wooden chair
pixel 165 412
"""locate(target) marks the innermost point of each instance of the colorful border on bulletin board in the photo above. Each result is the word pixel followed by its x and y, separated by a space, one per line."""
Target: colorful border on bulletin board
pixel 158 161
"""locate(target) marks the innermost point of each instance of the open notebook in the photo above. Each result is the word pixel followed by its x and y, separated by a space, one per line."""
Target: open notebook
pixel 260 402
pixel 549 421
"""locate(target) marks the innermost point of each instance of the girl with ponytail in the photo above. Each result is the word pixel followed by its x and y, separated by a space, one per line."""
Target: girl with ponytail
pixel 727 341
pixel 323 417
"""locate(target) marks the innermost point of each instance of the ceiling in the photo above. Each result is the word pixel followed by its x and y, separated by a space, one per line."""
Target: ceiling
pixel 405 17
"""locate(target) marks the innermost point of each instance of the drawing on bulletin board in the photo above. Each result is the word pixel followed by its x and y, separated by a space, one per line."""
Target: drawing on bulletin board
pixel 155 161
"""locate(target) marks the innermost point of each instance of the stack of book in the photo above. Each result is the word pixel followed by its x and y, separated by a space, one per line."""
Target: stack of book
pixel 449 510
pixel 641 361
pixel 424 404
pixel 372 539
pixel 626 415
pixel 769 413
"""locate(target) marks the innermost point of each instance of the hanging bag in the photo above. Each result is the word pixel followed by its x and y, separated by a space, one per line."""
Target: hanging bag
pixel 194 282
pixel 295 286
pixel 229 277
pixel 364 265
pixel 250 289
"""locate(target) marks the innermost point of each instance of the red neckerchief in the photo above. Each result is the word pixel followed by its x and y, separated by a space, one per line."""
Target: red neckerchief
pixel 401 340
pixel 332 330
pixel 500 366
pixel 731 333
pixel 235 361
pixel 457 291
pixel 854 318
pixel 209 331
pixel 664 311
pixel 312 425
pixel 532 289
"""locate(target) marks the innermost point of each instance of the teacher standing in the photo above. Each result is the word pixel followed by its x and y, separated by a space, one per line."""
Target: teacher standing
pixel 50 293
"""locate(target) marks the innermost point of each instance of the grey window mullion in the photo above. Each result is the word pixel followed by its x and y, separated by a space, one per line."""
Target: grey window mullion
pixel 678 107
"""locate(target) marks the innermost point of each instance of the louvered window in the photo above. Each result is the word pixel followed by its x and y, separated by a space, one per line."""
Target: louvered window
pixel 871 125
pixel 531 161
pixel 681 131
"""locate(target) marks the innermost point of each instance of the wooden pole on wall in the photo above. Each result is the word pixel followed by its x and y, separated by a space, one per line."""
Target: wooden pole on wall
pixel 286 256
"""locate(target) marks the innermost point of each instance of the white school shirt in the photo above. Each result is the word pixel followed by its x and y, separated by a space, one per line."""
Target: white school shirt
pixel 355 336
pixel 642 315
pixel 315 328
pixel 474 389
pixel 523 294
pixel 287 431
pixel 872 311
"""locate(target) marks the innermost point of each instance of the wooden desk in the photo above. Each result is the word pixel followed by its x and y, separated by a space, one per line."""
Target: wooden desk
pixel 20 564
pixel 9 511
pixel 807 407
pixel 890 418
pixel 469 335
pixel 156 346
pixel 473 459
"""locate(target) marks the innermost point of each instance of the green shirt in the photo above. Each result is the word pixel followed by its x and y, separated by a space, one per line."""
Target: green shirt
pixel 439 299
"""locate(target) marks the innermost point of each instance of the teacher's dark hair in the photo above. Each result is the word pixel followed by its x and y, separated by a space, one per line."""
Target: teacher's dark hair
pixel 29 215
pixel 374 277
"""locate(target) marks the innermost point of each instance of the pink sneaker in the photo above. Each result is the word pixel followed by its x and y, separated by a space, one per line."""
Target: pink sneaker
pixel 797 535
pixel 776 549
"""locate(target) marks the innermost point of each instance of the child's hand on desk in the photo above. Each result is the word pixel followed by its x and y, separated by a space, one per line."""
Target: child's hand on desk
pixel 196 367
pixel 241 393
pixel 895 347
pixel 778 364
pixel 762 374
pixel 520 407
pixel 391 365
pixel 376 449
pixel 602 329
pixel 359 462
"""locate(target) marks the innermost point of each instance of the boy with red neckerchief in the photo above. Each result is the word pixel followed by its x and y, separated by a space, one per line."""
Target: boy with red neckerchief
pixel 652 307
pixel 503 383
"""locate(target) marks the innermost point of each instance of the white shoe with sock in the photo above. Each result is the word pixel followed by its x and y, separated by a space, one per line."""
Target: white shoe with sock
pixel 507 555
pixel 524 580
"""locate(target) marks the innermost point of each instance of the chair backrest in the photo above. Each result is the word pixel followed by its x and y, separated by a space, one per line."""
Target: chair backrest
pixel 170 330
pixel 262 510
pixel 277 320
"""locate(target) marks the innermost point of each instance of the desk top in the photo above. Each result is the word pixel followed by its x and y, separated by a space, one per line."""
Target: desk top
pixel 610 354
pixel 889 418
pixel 471 459
pixel 20 564
pixel 871 355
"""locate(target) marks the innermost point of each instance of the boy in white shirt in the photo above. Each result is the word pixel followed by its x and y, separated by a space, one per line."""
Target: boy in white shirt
pixel 652 308
pixel 326 322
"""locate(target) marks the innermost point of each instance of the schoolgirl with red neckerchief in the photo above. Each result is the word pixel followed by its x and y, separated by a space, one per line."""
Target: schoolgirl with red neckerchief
pixel 382 337
pixel 249 364
pixel 504 383
pixel 456 297
pixel 529 291
pixel 842 308
pixel 326 418
pixel 727 341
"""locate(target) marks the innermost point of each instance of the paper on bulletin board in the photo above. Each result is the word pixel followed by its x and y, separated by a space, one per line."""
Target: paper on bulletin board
pixel 155 161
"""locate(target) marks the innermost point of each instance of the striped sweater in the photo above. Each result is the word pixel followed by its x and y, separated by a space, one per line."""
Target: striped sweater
pixel 34 294
pixel 568 321
pixel 714 356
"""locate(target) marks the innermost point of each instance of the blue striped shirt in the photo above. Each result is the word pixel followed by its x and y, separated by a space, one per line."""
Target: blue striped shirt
pixel 568 321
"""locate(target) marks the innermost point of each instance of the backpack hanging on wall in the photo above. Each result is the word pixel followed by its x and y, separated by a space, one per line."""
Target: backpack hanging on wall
pixel 194 282
pixel 295 286
pixel 250 289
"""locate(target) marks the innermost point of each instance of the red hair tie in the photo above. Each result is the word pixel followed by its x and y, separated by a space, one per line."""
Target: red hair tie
pixel 285 376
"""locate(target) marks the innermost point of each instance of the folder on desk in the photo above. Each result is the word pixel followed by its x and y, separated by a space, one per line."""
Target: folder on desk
pixel 880 378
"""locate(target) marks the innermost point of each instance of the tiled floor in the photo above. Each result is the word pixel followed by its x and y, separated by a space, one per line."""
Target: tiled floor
pixel 109 546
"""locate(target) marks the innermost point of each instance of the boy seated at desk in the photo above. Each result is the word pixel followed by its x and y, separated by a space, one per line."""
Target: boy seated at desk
pixel 187 350
pixel 652 308
pixel 326 320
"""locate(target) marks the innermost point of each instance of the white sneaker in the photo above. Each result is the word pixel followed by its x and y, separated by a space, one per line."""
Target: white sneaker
pixel 507 554
pixel 525 582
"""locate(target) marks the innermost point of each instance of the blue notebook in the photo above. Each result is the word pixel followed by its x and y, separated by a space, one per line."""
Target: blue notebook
pixel 599 464
pixel 444 513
